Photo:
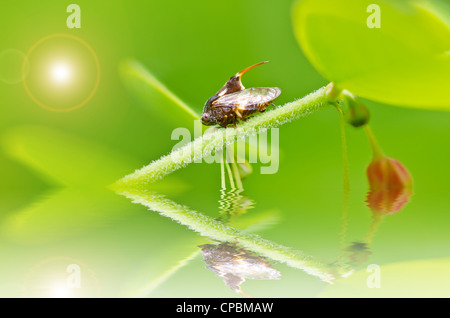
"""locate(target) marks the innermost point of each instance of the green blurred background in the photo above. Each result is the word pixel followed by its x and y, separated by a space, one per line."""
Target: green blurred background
pixel 56 210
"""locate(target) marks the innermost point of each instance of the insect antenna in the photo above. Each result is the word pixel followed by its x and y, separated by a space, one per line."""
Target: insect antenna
pixel 239 74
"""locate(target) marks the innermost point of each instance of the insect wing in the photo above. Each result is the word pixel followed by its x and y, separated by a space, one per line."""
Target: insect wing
pixel 248 97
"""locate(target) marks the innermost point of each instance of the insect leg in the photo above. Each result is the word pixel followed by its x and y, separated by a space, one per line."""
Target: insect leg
pixel 262 108
pixel 239 115
pixel 223 122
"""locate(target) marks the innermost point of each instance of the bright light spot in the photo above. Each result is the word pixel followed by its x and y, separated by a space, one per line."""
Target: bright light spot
pixel 61 73
pixel 60 291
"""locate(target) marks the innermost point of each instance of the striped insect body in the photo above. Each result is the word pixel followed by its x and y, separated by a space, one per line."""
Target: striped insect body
pixel 233 102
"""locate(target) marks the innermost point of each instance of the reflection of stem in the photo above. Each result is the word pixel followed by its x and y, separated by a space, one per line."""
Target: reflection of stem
pixel 229 199
pixel 217 230
pixel 149 288
pixel 236 176
pixel 377 154
pixel 376 221
pixel 224 203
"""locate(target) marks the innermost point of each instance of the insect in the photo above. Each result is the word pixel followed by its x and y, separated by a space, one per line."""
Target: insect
pixel 233 102
pixel 234 265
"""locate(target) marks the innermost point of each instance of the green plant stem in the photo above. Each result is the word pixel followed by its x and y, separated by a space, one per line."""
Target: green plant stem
pixel 137 71
pixel 346 183
pixel 218 138
pixel 236 175
pixel 377 151
pixel 230 175
pixel 222 175
pixel 134 186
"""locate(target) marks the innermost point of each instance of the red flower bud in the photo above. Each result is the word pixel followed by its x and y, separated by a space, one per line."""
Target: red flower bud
pixel 390 185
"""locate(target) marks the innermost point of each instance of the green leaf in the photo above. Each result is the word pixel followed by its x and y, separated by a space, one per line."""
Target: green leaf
pixel 154 96
pixel 440 8
pixel 406 61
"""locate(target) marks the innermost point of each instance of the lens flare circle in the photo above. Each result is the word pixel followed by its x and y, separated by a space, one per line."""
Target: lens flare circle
pixel 61 72
pixel 52 277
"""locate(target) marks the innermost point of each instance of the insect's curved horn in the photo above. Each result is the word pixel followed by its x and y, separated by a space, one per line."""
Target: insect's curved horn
pixel 249 68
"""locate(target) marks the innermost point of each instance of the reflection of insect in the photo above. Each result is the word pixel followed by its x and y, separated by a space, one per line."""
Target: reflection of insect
pixel 234 265
pixel 233 101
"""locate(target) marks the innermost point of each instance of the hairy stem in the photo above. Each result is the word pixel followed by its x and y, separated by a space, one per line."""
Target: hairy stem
pixel 134 186
pixel 216 139
pixel 377 151
pixel 346 183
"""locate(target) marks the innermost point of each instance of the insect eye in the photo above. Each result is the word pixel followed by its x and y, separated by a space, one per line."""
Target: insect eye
pixel 207 119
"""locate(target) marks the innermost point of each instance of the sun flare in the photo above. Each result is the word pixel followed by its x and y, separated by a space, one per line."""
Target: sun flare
pixel 61 73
